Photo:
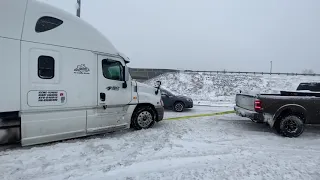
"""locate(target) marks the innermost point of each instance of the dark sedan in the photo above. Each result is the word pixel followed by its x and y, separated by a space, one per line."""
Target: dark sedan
pixel 175 102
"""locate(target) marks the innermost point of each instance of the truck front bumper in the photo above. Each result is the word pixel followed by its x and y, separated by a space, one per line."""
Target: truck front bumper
pixel 253 115
pixel 160 113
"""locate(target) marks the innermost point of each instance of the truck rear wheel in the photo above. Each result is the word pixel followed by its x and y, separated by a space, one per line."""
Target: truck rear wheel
pixel 143 118
pixel 291 126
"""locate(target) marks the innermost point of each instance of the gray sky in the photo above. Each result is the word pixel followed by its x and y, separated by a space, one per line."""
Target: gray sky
pixel 209 34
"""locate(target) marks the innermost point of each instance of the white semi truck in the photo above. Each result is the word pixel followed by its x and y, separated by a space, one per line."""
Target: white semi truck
pixel 60 78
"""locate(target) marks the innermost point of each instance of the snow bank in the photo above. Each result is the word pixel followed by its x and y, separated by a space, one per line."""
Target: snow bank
pixel 221 88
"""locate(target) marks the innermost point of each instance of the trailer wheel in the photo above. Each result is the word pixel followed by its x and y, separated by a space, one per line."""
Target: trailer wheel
pixel 291 126
pixel 143 118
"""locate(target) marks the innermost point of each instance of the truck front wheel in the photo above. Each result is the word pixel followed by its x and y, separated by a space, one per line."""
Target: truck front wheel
pixel 143 118
pixel 291 126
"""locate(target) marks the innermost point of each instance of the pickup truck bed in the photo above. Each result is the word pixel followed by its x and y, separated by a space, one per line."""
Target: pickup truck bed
pixel 287 112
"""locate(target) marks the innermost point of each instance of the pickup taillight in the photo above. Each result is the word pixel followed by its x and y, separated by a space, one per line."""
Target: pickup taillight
pixel 257 105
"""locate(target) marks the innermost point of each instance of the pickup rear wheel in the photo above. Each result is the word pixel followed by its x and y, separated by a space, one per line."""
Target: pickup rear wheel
pixel 291 126
pixel 143 118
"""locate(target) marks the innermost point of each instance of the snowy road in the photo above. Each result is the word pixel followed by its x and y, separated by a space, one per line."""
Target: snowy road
pixel 220 147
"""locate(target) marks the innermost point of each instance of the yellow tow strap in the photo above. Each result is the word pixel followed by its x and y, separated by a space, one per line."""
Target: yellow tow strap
pixel 200 115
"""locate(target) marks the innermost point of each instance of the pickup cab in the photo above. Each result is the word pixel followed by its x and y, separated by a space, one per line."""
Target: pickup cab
pixel 287 112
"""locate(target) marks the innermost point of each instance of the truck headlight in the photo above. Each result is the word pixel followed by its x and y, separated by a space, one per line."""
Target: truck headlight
pixel 190 100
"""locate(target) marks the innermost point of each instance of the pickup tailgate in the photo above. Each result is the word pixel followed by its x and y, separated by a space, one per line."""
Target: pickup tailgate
pixel 245 101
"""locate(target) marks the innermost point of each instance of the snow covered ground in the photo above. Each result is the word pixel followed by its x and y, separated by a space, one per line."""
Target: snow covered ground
pixel 218 147
pixel 220 89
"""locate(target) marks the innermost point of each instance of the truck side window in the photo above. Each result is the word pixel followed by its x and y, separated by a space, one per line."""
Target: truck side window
pixel 47 23
pixel 45 67
pixel 112 69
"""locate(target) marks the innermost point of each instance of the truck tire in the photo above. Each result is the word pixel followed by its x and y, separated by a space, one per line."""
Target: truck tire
pixel 178 106
pixel 143 118
pixel 291 126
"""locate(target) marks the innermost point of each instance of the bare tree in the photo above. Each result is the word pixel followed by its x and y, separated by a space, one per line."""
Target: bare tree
pixel 308 71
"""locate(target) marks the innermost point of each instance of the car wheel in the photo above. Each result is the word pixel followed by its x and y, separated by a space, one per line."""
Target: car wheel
pixel 178 107
pixel 143 118
pixel 291 126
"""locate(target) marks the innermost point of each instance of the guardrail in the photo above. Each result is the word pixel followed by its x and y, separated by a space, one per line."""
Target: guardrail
pixel 262 73
pixel 143 74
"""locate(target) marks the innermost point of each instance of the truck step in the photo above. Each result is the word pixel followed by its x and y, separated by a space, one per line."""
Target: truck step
pixel 9 119
pixel 9 128
pixel 5 124
pixel 9 136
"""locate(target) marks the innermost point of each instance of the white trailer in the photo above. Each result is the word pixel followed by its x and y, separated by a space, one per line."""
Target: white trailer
pixel 60 78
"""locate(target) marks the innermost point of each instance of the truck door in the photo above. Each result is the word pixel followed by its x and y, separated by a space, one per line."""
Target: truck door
pixel 113 97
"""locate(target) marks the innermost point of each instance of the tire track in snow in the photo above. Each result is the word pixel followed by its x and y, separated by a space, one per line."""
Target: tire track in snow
pixel 157 165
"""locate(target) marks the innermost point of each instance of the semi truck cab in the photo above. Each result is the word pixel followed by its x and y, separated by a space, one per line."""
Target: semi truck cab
pixel 61 78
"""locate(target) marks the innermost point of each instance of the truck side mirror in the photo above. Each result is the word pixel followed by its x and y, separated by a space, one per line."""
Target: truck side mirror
pixel 125 77
pixel 158 87
pixel 124 84
pixel 158 84
pixel 126 73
